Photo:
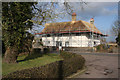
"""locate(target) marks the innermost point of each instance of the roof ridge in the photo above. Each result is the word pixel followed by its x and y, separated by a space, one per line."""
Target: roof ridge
pixel 70 25
pixel 63 22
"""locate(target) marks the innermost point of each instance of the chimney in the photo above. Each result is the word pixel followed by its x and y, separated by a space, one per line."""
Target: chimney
pixel 92 21
pixel 73 16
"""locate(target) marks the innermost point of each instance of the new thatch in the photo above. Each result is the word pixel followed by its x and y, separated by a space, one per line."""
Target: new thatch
pixel 73 26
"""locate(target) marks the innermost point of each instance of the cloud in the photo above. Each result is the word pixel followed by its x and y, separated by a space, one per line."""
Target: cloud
pixel 91 9
pixel 97 9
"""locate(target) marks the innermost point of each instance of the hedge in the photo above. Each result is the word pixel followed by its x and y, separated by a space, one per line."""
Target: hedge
pixel 67 55
pixel 36 52
pixel 59 69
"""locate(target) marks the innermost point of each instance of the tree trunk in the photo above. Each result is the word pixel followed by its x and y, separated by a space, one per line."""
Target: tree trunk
pixel 28 49
pixel 11 55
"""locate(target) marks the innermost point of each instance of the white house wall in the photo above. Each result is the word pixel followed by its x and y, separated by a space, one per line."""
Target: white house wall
pixel 74 41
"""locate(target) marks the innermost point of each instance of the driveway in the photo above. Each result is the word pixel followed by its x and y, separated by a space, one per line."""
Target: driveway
pixel 100 65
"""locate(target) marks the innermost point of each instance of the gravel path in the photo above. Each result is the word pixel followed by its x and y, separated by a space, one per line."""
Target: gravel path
pixel 100 66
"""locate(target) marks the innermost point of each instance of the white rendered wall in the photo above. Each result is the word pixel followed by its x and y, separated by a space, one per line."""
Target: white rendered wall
pixel 74 41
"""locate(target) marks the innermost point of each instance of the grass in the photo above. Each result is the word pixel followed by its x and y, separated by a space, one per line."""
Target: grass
pixel 39 61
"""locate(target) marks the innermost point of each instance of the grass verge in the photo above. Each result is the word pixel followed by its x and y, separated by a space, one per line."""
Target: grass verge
pixel 39 61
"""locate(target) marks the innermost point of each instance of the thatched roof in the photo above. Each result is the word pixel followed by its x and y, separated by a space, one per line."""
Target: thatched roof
pixel 62 27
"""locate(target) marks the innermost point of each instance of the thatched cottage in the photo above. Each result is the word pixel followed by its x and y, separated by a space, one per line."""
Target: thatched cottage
pixel 71 34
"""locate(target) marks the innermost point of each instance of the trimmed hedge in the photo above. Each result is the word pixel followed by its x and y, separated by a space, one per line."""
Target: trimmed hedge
pixel 67 55
pixel 59 69
pixel 71 65
pixel 46 71
pixel 72 62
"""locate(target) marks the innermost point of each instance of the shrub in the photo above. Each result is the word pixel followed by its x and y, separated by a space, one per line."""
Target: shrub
pixel 72 62
pixel 59 69
pixel 36 52
pixel 71 65
pixel 47 71
pixel 46 50
pixel 33 56
pixel 67 55
pixel 102 47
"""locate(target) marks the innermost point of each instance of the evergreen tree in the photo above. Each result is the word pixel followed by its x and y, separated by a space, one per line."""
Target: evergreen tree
pixel 14 26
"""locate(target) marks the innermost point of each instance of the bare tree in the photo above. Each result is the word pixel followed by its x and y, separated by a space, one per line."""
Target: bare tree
pixel 50 11
pixel 116 27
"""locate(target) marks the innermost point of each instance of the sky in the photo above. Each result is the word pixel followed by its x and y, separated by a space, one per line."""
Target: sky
pixel 104 14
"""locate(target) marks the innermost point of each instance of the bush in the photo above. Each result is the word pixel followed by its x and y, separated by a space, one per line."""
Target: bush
pixel 32 56
pixel 71 65
pixel 46 50
pixel 101 47
pixel 67 55
pixel 72 62
pixel 59 69
pixel 47 71
pixel 36 52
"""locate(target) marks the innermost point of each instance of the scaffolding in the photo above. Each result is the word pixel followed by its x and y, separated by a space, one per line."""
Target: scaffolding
pixel 59 37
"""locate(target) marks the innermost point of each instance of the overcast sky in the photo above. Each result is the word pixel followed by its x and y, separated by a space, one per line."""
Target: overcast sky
pixel 104 14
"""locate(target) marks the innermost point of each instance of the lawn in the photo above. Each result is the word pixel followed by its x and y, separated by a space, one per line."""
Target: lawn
pixel 39 61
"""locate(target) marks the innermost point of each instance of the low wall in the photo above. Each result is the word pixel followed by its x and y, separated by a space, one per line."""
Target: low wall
pixel 59 69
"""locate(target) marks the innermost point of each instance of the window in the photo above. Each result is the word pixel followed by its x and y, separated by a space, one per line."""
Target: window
pixel 58 43
pixel 66 44
pixel 89 36
pixel 47 42
pixel 40 39
pixel 94 43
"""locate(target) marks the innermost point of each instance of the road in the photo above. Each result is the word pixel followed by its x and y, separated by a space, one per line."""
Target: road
pixel 100 65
